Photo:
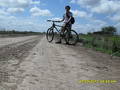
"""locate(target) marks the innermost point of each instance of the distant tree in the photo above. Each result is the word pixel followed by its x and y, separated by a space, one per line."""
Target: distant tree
pixel 89 33
pixel 98 32
pixel 109 30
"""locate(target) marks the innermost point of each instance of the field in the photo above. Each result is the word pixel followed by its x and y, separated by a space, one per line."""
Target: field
pixel 106 44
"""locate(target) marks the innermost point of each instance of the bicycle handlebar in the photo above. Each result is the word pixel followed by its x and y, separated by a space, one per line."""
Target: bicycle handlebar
pixel 52 21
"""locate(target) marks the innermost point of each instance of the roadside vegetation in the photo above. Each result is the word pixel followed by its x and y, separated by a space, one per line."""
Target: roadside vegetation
pixel 106 40
pixel 4 33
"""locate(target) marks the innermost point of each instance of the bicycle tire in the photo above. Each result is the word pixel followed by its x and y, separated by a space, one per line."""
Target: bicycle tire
pixel 50 35
pixel 74 36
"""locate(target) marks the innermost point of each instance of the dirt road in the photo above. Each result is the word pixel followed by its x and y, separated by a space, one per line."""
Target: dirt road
pixel 35 64
pixel 11 40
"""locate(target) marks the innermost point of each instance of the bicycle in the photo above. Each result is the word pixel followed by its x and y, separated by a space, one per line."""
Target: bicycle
pixel 70 36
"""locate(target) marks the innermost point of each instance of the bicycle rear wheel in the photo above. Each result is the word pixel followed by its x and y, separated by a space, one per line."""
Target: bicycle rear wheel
pixel 71 37
pixel 50 35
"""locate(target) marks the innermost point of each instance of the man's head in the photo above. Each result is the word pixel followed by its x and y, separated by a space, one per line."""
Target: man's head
pixel 67 8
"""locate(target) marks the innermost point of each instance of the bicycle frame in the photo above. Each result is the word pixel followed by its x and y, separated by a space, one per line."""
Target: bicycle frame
pixel 55 26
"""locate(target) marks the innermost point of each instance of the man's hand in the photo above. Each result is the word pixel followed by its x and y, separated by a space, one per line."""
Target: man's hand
pixel 59 21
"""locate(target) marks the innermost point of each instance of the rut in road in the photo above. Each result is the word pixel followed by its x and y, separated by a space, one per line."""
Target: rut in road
pixel 10 40
pixel 12 55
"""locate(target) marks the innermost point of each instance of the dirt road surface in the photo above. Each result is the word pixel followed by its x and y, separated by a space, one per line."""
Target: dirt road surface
pixel 32 63
pixel 8 41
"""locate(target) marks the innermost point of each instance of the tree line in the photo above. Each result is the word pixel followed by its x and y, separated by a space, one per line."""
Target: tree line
pixel 17 32
pixel 109 30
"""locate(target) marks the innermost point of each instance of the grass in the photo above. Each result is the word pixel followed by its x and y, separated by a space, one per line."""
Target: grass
pixel 105 44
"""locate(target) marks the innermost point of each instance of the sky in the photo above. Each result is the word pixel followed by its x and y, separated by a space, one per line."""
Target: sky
pixel 31 15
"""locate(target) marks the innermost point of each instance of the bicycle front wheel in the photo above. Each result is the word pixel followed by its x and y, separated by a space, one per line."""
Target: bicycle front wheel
pixel 50 35
pixel 72 37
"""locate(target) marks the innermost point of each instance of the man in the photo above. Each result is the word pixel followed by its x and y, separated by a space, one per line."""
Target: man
pixel 67 21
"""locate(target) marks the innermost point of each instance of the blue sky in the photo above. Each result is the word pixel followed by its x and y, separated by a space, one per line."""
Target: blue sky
pixel 31 15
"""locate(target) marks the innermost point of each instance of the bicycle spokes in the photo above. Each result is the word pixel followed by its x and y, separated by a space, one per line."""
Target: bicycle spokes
pixel 71 37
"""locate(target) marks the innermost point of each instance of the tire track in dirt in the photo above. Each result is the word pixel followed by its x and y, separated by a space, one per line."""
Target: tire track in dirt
pixel 14 49
pixel 12 55
pixel 10 40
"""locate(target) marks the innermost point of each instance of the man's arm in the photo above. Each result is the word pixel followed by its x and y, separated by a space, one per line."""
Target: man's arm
pixel 62 20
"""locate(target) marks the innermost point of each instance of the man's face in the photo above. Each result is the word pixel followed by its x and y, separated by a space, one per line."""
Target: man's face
pixel 67 9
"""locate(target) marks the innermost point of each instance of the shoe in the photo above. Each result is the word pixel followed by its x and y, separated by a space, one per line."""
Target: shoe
pixel 67 43
pixel 58 42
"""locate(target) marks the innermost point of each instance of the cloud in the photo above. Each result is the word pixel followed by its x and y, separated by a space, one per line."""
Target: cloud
pixel 85 3
pixel 16 6
pixel 97 22
pixel 91 26
pixel 115 18
pixel 15 3
pixel 35 11
pixel 7 21
pixel 78 13
pixel 99 6
pixel 73 1
pixel 15 10
pixel 3 12
pixel 35 2
pixel 88 2
pixel 107 6
pixel 26 24
pixel 85 28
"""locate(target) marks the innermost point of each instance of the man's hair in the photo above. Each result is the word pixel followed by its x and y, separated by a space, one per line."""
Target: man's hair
pixel 67 7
